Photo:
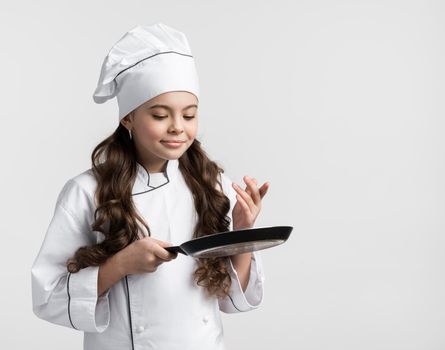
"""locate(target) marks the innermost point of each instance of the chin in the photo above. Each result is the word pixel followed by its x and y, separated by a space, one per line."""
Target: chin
pixel 173 155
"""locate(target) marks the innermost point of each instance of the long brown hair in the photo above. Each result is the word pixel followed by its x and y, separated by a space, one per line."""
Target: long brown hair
pixel 115 168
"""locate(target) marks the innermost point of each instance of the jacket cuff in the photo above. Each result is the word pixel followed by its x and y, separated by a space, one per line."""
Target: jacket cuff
pixel 86 311
pixel 252 297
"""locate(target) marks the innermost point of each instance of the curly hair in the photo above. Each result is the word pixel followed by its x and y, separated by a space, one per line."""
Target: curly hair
pixel 114 166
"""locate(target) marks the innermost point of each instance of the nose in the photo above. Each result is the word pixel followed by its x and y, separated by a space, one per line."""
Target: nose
pixel 176 125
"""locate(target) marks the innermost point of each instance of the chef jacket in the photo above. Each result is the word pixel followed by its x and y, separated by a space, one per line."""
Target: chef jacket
pixel 164 309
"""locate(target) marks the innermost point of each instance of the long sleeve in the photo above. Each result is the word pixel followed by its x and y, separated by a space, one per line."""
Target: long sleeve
pixel 252 297
pixel 60 297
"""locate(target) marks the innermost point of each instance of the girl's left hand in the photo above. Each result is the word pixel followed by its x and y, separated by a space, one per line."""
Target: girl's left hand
pixel 248 204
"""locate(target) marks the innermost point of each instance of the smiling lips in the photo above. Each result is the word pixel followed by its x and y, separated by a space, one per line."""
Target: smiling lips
pixel 173 144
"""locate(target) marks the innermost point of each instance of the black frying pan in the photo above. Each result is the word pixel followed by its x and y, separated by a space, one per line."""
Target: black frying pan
pixel 234 242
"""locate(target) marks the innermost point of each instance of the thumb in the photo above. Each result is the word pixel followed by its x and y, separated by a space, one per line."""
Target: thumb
pixel 160 252
pixel 163 244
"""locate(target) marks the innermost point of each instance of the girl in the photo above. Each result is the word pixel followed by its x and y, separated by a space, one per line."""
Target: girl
pixel 103 267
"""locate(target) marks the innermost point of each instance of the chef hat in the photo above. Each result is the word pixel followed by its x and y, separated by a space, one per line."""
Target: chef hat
pixel 146 62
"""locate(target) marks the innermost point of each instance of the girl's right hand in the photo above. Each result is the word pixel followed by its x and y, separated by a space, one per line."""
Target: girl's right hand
pixel 144 255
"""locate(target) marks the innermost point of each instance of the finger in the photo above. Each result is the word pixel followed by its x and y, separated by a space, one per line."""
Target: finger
pixel 160 252
pixel 256 184
pixel 263 189
pixel 158 262
pixel 254 192
pixel 244 195
pixel 163 244
pixel 243 204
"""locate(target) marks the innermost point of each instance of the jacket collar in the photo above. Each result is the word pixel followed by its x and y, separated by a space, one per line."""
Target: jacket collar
pixel 146 182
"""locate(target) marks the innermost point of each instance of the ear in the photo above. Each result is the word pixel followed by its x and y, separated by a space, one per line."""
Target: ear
pixel 127 121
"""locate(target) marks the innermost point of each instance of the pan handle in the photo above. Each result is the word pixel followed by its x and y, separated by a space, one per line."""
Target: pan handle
pixel 175 249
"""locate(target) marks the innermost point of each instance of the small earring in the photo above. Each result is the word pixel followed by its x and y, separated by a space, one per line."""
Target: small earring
pixel 131 136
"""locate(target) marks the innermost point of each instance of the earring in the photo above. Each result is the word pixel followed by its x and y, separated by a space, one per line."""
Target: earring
pixel 131 136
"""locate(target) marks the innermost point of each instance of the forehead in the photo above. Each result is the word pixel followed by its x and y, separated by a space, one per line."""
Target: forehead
pixel 173 100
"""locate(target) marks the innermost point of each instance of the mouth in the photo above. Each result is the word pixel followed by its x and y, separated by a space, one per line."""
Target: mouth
pixel 174 144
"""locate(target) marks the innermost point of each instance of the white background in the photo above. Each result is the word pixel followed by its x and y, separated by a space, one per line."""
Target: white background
pixel 338 104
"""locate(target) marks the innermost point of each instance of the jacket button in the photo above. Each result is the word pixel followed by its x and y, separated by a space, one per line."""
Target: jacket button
pixel 140 329
pixel 205 319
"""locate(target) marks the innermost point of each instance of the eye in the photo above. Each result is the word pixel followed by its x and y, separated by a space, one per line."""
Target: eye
pixel 165 116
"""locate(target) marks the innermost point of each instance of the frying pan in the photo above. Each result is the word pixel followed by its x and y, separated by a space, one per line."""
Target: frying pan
pixel 233 242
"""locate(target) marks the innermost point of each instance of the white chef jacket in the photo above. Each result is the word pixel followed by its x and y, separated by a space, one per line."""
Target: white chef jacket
pixel 164 309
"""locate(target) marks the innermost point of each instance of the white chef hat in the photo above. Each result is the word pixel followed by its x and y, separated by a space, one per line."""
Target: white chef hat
pixel 146 62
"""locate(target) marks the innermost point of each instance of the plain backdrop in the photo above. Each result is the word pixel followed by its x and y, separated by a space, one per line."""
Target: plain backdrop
pixel 338 104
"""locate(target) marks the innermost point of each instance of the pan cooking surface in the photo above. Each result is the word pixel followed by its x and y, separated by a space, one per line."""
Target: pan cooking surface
pixel 234 242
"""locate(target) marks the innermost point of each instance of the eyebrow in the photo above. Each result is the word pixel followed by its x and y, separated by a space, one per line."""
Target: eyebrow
pixel 168 107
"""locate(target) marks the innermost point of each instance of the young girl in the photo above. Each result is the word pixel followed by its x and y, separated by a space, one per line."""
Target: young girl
pixel 103 267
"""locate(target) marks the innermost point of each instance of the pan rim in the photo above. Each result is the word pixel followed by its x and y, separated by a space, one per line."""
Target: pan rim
pixel 235 236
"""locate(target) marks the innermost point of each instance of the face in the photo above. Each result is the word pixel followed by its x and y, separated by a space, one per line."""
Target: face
pixel 171 116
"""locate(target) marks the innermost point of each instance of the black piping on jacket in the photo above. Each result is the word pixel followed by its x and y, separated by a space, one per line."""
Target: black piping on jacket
pixel 129 313
pixel 69 299
pixel 148 182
